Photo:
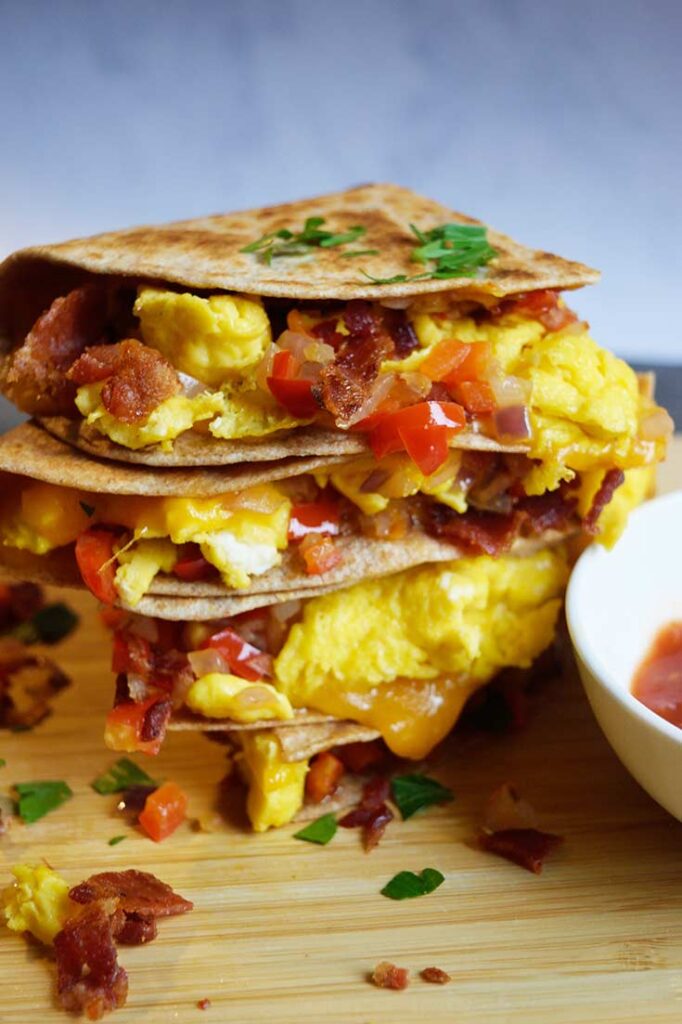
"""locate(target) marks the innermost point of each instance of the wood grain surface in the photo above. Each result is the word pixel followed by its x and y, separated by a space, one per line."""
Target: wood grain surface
pixel 287 932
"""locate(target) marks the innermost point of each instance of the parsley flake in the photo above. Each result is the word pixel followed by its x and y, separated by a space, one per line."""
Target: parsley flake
pixel 122 775
pixel 320 831
pixel 36 799
pixel 352 253
pixel 2 762
pixel 457 250
pixel 413 793
pixel 49 625
pixel 406 884
pixel 115 840
pixel 301 243
pixel 88 509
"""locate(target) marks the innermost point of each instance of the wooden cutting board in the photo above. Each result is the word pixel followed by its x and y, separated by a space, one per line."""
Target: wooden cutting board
pixel 287 932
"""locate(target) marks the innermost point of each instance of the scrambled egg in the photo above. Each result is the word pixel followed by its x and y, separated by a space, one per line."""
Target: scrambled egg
pixel 221 695
pixel 403 480
pixel 171 417
pixel 276 787
pixel 210 339
pixel 248 411
pixel 37 902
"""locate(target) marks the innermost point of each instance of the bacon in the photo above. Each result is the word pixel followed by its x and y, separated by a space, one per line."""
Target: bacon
pixel 372 813
pixel 36 377
pixel 387 975
pixel 136 378
pixel 550 511
pixel 401 331
pixel 527 847
pixel 138 893
pixel 89 978
pixel 347 382
pixel 156 720
pixel 487 532
pixel 609 485
pixel 361 755
pixel 435 975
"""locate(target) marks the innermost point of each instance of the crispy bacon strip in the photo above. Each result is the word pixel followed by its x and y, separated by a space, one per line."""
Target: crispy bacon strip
pixel 35 378
pixel 347 382
pixel 137 378
pixel 89 978
pixel 487 532
pixel 387 975
pixel 550 511
pixel 609 485
pixel 372 814
pixel 137 892
pixel 527 847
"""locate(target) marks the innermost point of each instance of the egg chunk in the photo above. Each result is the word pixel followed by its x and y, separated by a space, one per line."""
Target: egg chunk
pixel 207 338
pixel 221 695
pixel 276 786
pixel 250 412
pixel 37 902
pixel 409 649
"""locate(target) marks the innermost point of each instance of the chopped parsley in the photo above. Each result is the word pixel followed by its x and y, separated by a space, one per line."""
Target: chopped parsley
pixel 122 775
pixel 301 243
pixel 36 799
pixel 115 840
pixel 455 250
pixel 359 252
pixel 2 762
pixel 88 509
pixel 412 793
pixel 49 625
pixel 406 884
pixel 320 831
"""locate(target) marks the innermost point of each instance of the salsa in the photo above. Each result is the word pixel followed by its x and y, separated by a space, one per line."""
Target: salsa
pixel 658 680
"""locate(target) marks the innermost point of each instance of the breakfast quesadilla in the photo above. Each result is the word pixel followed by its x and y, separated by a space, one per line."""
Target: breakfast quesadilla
pixel 239 535
pixel 368 321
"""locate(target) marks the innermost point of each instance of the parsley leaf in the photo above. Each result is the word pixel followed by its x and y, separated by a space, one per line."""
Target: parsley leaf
pixel 49 625
pixel 88 509
pixel 37 798
pixel 2 762
pixel 289 243
pixel 406 884
pixel 457 250
pixel 122 775
pixel 320 831
pixel 115 840
pixel 352 253
pixel 413 793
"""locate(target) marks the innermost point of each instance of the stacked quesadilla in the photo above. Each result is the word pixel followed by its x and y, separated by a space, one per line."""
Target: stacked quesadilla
pixel 326 464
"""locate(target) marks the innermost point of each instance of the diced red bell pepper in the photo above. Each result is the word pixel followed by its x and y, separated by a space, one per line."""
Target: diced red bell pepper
pixel 314 517
pixel 244 659
pixel 96 562
pixel 542 305
pixel 477 397
pixel 320 554
pixel 164 810
pixel 324 776
pixel 296 395
pixel 361 755
pixel 474 366
pixel 422 430
pixel 123 728
pixel 191 564
pixel 112 618
pixel 444 358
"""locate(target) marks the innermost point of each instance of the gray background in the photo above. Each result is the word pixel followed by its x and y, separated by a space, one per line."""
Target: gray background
pixel 556 122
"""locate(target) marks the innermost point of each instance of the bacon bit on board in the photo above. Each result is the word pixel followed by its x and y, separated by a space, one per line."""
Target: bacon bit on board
pixel 89 978
pixel 435 975
pixel 28 682
pixel 526 847
pixel 324 776
pixel 372 813
pixel 506 809
pixel 203 1004
pixel 387 975
pixel 137 378
pixel 611 482
pixel 137 892
pixel 36 377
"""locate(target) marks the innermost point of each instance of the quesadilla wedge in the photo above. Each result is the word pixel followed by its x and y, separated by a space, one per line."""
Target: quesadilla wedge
pixel 368 320
pixel 241 534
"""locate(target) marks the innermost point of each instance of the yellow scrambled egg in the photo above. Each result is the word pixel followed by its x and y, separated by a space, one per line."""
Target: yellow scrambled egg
pixel 276 787
pixel 37 902
pixel 240 534
pixel 221 695
pixel 209 338
pixel 248 411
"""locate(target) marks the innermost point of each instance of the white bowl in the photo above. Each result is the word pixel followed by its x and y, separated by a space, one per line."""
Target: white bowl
pixel 616 603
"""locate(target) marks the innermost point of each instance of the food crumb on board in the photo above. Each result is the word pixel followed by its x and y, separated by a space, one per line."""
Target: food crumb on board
pixel 435 975
pixel 387 975
pixel 203 1004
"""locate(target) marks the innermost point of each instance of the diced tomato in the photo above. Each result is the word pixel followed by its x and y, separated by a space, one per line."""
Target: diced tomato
pixel 244 659
pixel 324 776
pixel 96 562
pixel 295 395
pixel 314 517
pixel 297 322
pixel 423 431
pixel 542 305
pixel 123 728
pixel 112 618
pixel 477 397
pixel 359 756
pixel 320 554
pixel 191 564
pixel 131 653
pixel 444 358
pixel 164 810
pixel 474 365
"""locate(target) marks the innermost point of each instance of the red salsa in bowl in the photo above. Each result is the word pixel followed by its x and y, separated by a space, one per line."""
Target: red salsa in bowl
pixel 658 680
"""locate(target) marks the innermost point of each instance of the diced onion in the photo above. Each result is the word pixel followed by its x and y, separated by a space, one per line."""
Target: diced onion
pixel 253 697
pixel 418 383
pixel 513 423
pixel 510 390
pixel 145 627
pixel 295 343
pixel 656 426
pixel 286 610
pixel 383 385
pixel 319 352
pixel 190 385
pixel 207 661
pixel 137 687
pixel 399 302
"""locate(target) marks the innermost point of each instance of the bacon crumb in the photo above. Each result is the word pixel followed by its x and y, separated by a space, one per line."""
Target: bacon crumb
pixel 89 978
pixel 348 381
pixel 527 847
pixel 435 975
pixel 203 1004
pixel 136 378
pixel 138 893
pixel 609 485
pixel 372 813
pixel 387 975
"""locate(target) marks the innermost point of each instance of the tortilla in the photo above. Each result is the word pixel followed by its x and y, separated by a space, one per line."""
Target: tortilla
pixel 28 450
